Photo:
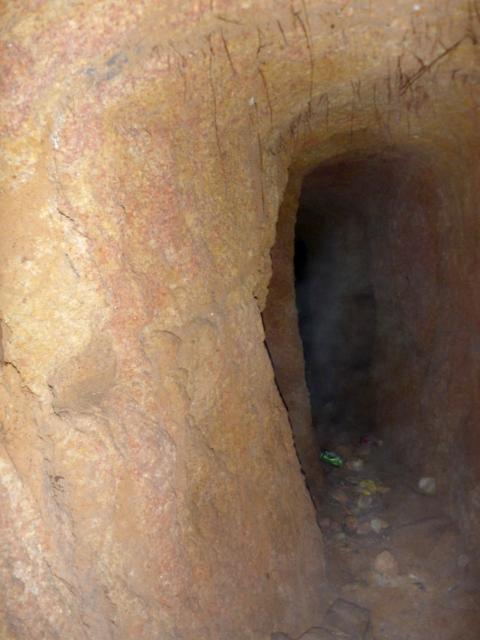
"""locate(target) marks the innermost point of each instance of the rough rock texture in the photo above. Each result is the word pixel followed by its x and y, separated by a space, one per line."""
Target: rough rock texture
pixel 285 345
pixel 149 486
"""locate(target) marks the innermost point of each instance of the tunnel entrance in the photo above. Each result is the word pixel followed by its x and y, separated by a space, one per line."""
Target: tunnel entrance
pixel 358 310
pixel 356 305
pixel 336 313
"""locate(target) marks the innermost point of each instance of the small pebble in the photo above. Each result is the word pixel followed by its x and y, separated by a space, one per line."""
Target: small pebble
pixel 418 582
pixel 363 529
pixel 355 465
pixel 351 523
pixel 367 487
pixel 462 561
pixel 427 486
pixel 378 525
pixel 341 537
pixel 385 564
pixel 325 523
pixel 370 487
pixel 364 502
pixel 340 496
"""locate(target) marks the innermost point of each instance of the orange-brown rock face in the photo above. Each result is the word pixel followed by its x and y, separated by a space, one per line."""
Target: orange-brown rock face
pixel 149 486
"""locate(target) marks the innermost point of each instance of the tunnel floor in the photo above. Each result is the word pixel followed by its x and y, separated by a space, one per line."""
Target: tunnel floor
pixel 395 561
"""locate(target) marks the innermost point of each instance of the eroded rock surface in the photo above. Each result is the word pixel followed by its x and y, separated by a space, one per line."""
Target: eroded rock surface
pixel 149 485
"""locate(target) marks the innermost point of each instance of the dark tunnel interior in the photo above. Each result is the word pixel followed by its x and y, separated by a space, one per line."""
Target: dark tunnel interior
pixel 374 363
pixel 336 314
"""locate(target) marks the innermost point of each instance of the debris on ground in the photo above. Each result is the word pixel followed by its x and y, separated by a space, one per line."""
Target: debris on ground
pixel 356 464
pixel 348 617
pixel 364 502
pixel 427 486
pixel 378 525
pixel 418 582
pixel 394 553
pixel 370 487
pixel 332 458
pixel 351 523
pixel 340 496
pixel 386 564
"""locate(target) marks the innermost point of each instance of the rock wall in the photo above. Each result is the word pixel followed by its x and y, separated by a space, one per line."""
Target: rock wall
pixel 285 345
pixel 149 485
pixel 425 265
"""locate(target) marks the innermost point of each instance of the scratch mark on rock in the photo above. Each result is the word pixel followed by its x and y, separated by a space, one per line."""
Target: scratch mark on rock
pixel 305 13
pixel 473 14
pixel 284 37
pixel 388 81
pixel 181 68
pixel 23 384
pixel 352 120
pixel 72 266
pixel 356 88
pixel 407 82
pixel 261 43
pixel 229 57
pixel 260 160
pixel 267 93
pixel 376 110
pixel 215 106
pixel 303 26
pixel 399 74
pixel 324 98
pixel 228 20
pixel 73 222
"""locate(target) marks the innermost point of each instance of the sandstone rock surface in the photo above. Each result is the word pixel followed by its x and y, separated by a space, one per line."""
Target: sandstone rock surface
pixel 149 483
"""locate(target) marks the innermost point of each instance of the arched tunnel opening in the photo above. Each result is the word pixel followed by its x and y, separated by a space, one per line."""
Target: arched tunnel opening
pixel 360 326
pixel 336 306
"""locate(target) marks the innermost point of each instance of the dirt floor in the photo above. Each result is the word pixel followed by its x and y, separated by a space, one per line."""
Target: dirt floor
pixel 396 565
